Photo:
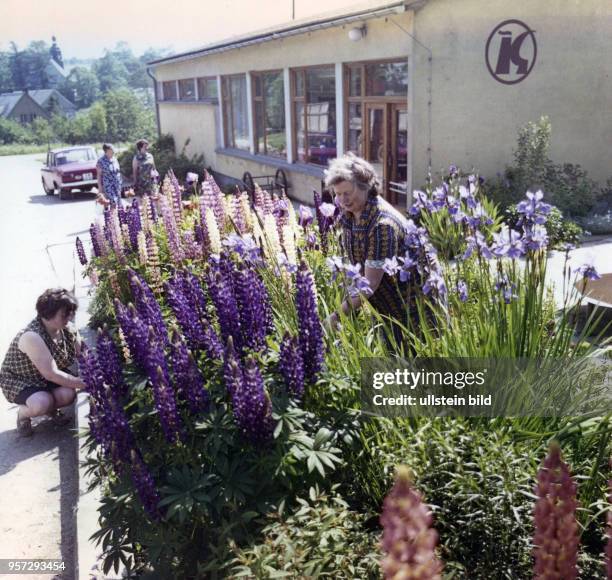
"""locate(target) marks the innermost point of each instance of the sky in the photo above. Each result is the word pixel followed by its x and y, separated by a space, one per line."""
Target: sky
pixel 84 28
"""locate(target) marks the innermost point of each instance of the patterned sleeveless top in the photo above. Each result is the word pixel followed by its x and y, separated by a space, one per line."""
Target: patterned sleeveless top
pixel 18 371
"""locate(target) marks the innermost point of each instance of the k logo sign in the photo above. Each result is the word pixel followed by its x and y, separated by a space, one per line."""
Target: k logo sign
pixel 511 52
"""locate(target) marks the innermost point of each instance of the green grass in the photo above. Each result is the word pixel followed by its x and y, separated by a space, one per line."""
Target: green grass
pixel 29 148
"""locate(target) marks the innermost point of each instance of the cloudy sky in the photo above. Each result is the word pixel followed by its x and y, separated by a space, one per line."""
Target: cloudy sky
pixel 84 28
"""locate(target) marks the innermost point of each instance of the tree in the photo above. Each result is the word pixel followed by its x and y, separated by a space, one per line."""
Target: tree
pixel 126 118
pixel 98 127
pixel 111 72
pixel 41 131
pixel 81 87
pixel 28 66
pixel 6 76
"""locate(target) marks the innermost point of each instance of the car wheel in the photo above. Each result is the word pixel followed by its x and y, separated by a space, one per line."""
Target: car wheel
pixel 47 191
pixel 64 194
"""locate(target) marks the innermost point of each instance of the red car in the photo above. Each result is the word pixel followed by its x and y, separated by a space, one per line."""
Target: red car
pixel 69 169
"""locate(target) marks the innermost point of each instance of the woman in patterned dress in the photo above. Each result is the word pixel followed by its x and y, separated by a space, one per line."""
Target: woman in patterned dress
pixel 35 372
pixel 143 166
pixel 110 181
pixel 372 231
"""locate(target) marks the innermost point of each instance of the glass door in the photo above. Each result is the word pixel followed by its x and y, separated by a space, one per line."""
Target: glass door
pixel 376 139
pixel 398 164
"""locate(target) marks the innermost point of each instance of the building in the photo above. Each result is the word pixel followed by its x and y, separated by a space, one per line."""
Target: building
pixel 25 106
pixel 411 85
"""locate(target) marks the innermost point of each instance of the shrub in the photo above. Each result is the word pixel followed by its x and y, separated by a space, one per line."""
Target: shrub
pixel 560 231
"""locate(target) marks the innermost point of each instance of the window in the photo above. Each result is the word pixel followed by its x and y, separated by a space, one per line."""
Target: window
pixel 314 112
pixel 269 110
pixel 170 91
pixel 235 112
pixel 187 89
pixel 371 82
pixel 207 88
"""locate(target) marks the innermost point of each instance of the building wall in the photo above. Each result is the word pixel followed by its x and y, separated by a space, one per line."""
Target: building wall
pixel 475 119
pixel 384 39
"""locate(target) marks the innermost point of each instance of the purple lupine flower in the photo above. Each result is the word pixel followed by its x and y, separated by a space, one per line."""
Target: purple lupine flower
pixel 232 370
pixel 555 537
pixel 214 199
pixel 110 364
pixel 239 217
pixel 187 377
pixel 170 223
pixel 185 314
pixel 254 308
pixel 147 306
pixel 304 216
pixel 135 331
pixel 291 366
pixel 176 198
pixel 252 407
pixel 134 224
pixel 95 234
pixel 588 271
pixel 409 539
pixel 198 234
pixel 145 486
pixel 81 252
pixel 311 332
pixel 221 290
pixel 165 402
pixel 284 263
pixel 462 290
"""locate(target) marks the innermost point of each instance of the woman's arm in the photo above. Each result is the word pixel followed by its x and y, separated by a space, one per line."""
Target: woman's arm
pixel 34 346
pixel 134 170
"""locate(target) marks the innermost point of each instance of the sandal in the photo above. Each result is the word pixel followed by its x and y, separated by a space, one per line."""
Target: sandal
pixel 58 418
pixel 24 426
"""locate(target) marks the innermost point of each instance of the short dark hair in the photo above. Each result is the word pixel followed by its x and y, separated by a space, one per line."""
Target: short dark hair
pixel 51 301
pixel 141 143
pixel 107 146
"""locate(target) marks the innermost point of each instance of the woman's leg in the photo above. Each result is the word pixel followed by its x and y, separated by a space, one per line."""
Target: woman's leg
pixel 63 396
pixel 37 404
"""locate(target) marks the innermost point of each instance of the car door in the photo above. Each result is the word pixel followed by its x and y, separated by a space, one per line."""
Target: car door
pixel 47 171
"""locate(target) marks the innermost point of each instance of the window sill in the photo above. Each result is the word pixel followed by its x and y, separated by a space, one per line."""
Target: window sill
pixel 276 162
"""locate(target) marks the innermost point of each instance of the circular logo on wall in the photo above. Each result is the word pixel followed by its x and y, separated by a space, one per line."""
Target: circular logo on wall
pixel 511 51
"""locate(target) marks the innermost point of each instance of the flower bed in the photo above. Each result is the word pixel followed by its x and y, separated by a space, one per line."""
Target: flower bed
pixel 222 412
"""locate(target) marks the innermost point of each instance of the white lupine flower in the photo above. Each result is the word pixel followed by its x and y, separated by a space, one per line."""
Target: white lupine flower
pixel 142 248
pixel 289 244
pixel 271 235
pixel 212 229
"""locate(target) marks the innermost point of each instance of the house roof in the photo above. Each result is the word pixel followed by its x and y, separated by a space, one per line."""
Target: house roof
pixel 54 66
pixel 373 9
pixel 41 96
pixel 8 101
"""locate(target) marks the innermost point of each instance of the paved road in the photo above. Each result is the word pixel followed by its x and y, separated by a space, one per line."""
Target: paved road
pixel 38 476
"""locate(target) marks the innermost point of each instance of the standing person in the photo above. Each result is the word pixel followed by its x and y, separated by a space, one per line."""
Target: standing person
pixel 372 231
pixel 143 165
pixel 109 177
pixel 35 372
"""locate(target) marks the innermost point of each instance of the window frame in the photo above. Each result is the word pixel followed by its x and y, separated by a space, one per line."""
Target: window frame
pixel 364 99
pixel 262 99
pixel 293 72
pixel 180 96
pixel 207 79
pixel 226 100
pixel 165 98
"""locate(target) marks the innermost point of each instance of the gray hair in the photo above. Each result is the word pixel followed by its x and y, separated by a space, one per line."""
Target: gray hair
pixel 354 169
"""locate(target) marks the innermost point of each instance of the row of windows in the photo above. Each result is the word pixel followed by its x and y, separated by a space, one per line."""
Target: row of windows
pixel 313 106
pixel 27 117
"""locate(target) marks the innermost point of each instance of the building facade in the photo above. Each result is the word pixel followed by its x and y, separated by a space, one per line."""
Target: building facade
pixel 412 86
pixel 25 106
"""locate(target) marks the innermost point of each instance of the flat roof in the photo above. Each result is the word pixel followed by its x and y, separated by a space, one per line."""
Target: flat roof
pixel 295 27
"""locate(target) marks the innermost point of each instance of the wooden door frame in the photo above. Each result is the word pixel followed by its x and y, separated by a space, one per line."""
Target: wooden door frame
pixel 396 107
pixel 372 105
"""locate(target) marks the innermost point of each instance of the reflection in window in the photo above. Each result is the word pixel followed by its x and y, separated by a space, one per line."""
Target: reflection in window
pixel 187 89
pixel 169 90
pixel 235 111
pixel 386 79
pixel 315 114
pixel 354 128
pixel 269 108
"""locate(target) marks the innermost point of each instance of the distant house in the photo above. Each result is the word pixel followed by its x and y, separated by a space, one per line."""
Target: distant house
pixel 56 74
pixel 25 106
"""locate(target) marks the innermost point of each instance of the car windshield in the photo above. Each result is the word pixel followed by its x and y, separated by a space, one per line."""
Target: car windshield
pixel 74 156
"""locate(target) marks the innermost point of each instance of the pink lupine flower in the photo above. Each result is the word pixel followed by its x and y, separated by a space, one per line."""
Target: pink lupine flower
pixel 556 529
pixel 408 537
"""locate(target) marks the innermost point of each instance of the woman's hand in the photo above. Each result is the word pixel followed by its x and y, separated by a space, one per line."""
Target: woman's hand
pixel 102 199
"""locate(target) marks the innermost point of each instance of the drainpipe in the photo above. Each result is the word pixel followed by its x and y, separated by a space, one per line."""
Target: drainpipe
pixel 156 103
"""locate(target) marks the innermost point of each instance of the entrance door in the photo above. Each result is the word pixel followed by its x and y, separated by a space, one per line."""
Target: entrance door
pixel 386 147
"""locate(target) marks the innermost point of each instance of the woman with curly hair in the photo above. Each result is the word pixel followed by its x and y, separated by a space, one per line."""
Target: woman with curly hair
pixel 35 372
